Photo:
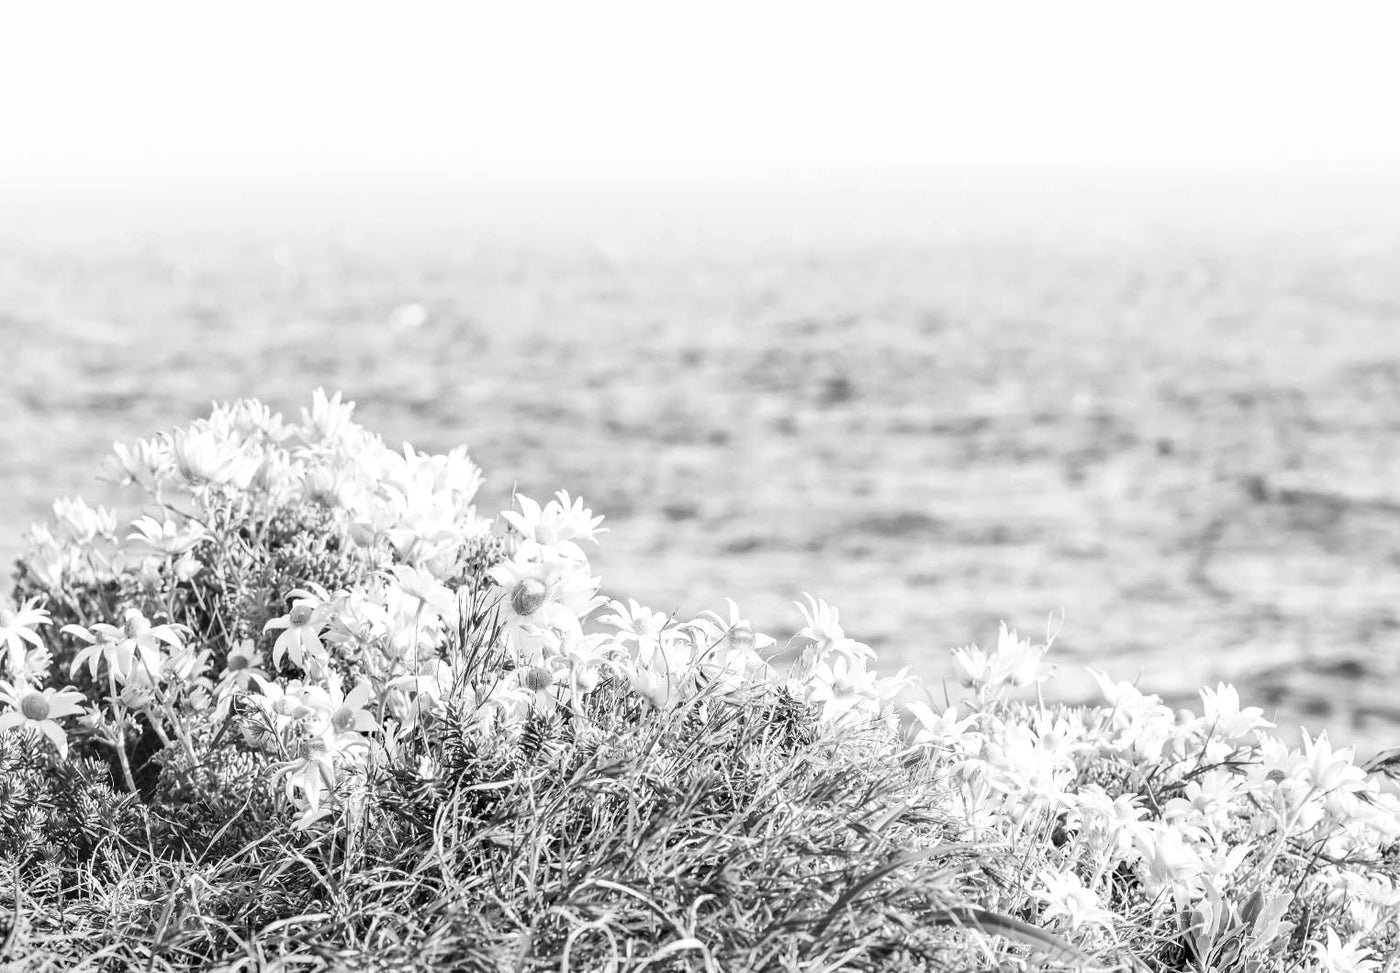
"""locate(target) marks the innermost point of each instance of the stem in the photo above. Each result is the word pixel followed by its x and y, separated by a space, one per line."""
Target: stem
pixel 119 738
pixel 169 714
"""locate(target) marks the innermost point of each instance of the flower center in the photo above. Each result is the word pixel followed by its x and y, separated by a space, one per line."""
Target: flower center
pixel 528 596
pixel 537 678
pixel 311 748
pixel 343 720
pixel 300 615
pixel 34 707
pixel 843 687
pixel 236 662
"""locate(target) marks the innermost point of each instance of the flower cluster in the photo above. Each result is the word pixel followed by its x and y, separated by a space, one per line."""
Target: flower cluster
pixel 336 612
pixel 1206 827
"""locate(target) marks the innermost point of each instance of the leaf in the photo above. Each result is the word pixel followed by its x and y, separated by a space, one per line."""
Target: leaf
pixel 984 920
pixel 895 863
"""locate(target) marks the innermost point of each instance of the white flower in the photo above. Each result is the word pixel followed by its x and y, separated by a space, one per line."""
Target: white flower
pixel 1330 769
pixel 823 621
pixel 1222 714
pixel 329 419
pixel 939 730
pixel 1070 902
pixel 553 592
pixel 165 538
pixel 17 627
pixel 1018 661
pixel 728 653
pixel 202 457
pixel 423 586
pixel 848 692
pixel 558 524
pixel 312 773
pixel 302 626
pixel 976 667
pixel 1334 956
pixel 39 709
pixel 244 662
pixel 637 624
pixel 544 686
pixel 665 675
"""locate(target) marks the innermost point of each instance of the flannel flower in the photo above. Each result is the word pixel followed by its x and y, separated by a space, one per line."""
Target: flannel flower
pixel 17 627
pixel 301 630
pixel 559 524
pixel 39 709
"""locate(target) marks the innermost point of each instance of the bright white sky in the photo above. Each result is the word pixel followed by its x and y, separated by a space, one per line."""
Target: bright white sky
pixel 153 93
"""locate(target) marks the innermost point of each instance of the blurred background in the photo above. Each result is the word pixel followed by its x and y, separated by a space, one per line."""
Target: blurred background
pixel 945 314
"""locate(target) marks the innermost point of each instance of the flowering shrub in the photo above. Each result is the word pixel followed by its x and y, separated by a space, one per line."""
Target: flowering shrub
pixel 353 716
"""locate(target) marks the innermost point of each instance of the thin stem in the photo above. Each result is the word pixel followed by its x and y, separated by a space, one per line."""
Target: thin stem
pixel 119 737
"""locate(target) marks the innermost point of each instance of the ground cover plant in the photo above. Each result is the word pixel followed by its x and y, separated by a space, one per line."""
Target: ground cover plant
pixel 310 709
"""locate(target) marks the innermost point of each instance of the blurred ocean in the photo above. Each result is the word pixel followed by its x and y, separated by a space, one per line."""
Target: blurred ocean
pixel 1168 408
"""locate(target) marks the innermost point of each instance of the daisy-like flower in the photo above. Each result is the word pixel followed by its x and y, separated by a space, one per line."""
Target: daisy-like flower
pixel 80 523
pixel 423 586
pixel 552 592
pixel 1125 699
pixel 121 648
pixel 37 664
pixel 106 643
pixel 328 486
pixel 845 690
pixel 202 457
pixel 939 730
pixel 1015 662
pixel 143 641
pixel 244 663
pixel 637 624
pixel 544 686
pixel 1335 956
pixel 328 420
pixel 1329 769
pixel 39 709
pixel 165 538
pixel 823 621
pixel 728 650
pixel 827 637
pixel 312 772
pixel 272 713
pixel 301 635
pixel 1223 716
pixel 145 463
pixel 1110 824
pixel 976 667
pixel 412 698
pixel 1018 661
pixel 666 675
pixel 1168 863
pixel 735 632
pixel 558 524
pixel 1067 900
pixel 17 627
pixel 343 715
pixel 583 655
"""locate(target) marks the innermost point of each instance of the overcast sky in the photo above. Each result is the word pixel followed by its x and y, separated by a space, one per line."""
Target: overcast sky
pixel 144 93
